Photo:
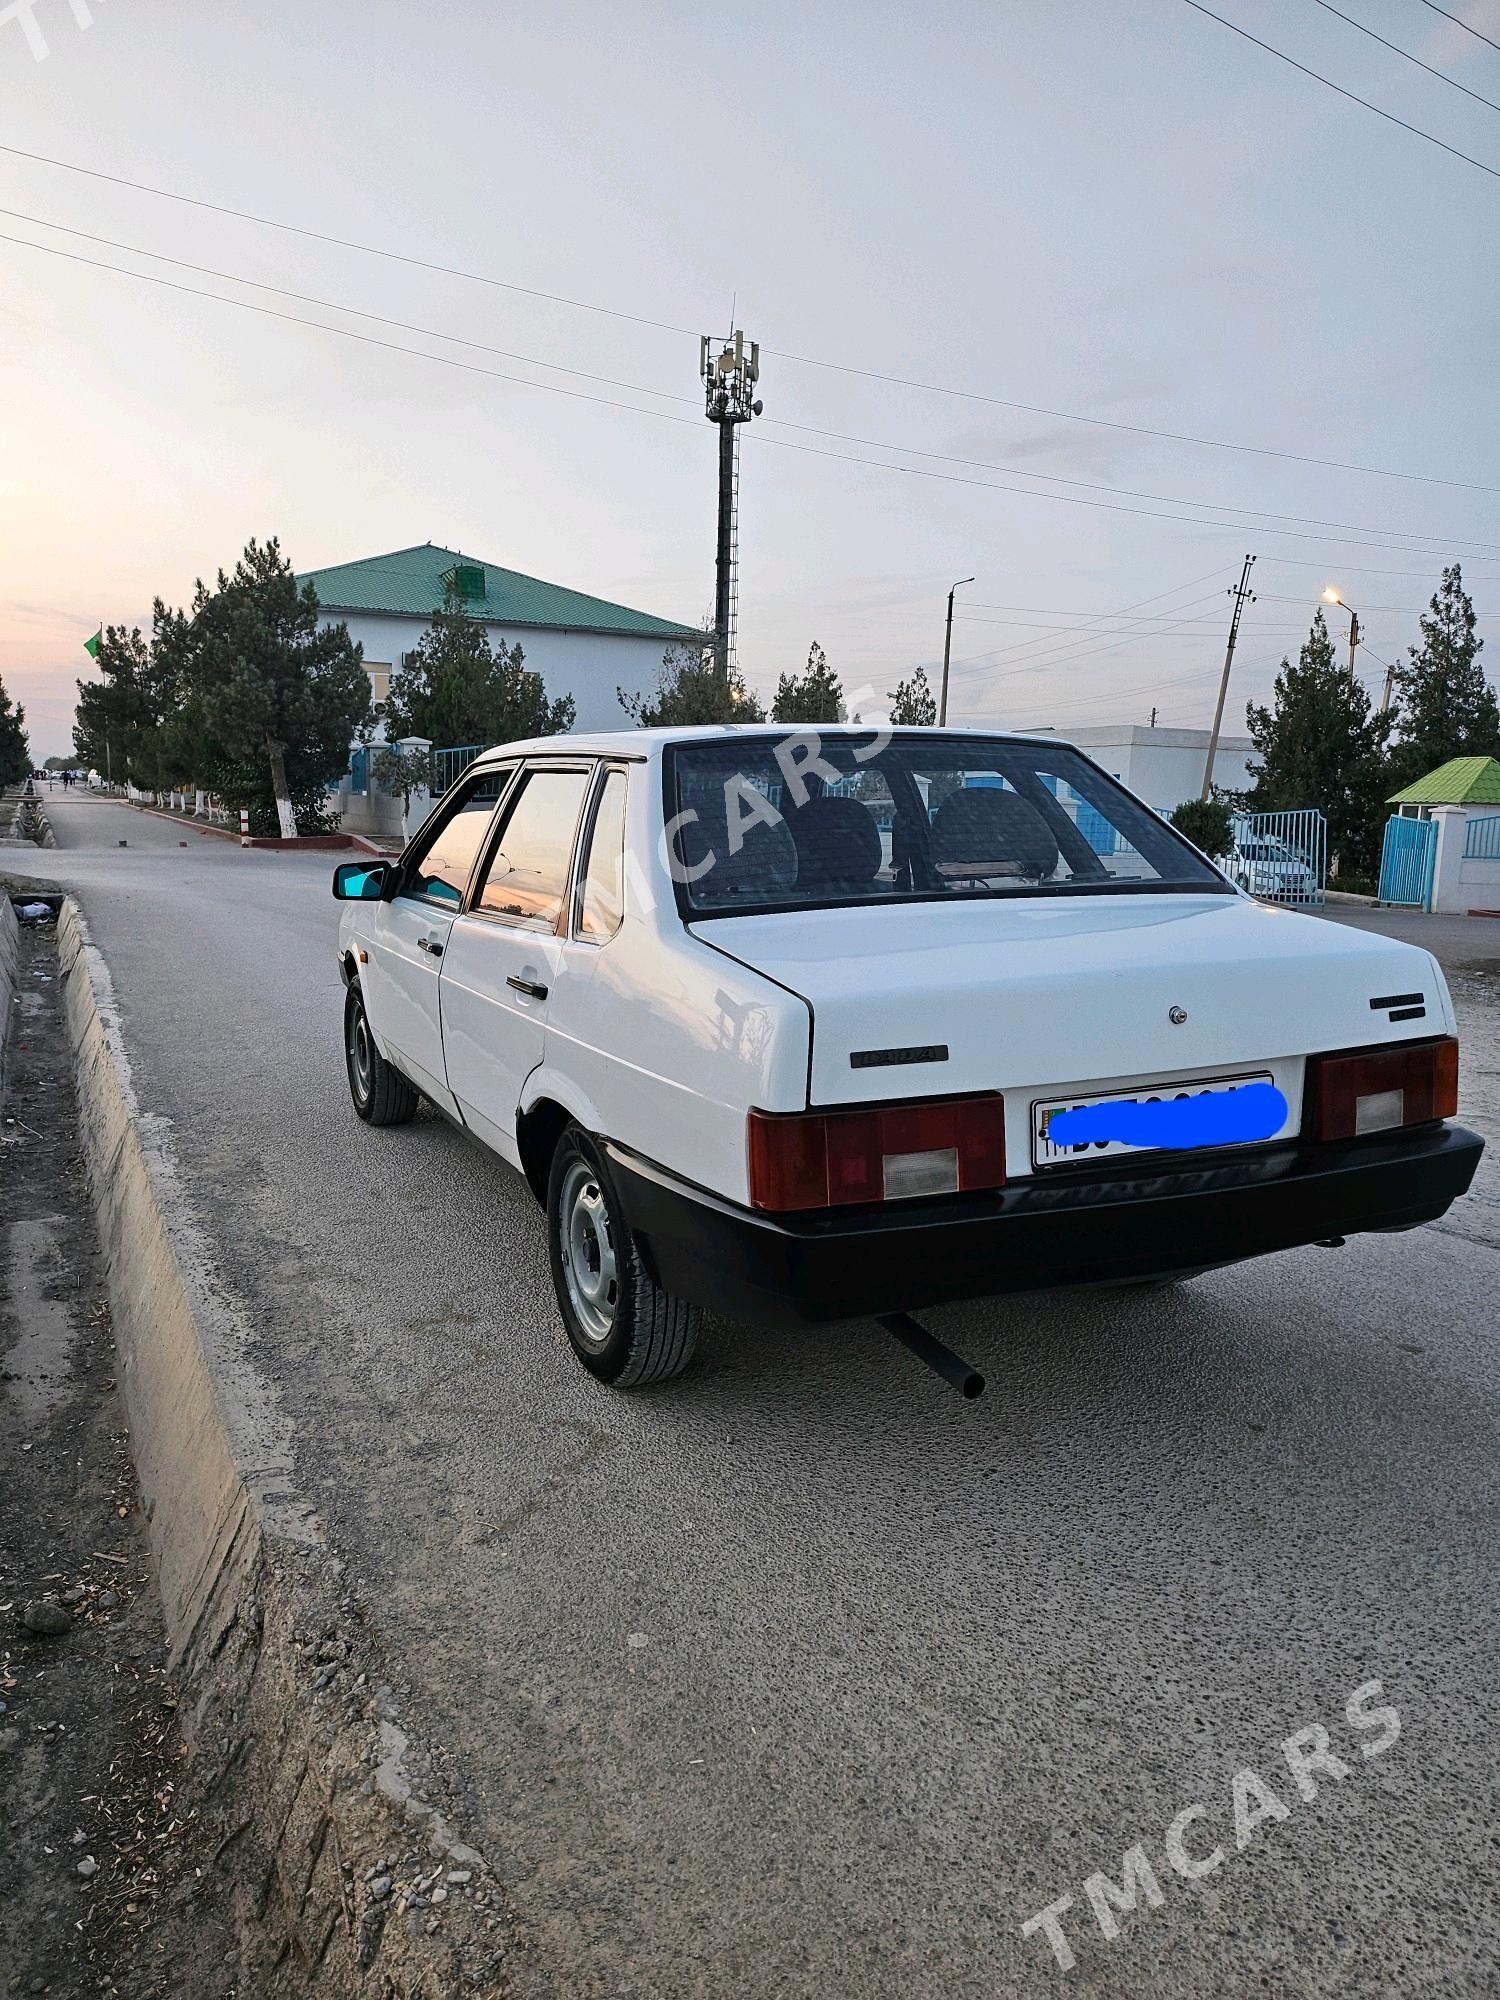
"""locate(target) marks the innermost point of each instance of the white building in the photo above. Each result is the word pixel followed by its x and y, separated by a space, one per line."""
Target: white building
pixel 580 645
pixel 1164 766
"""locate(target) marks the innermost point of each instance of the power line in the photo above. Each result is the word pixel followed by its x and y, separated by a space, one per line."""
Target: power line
pixel 1460 23
pixel 1001 652
pixel 1073 500
pixel 1354 569
pixel 1389 116
pixel 801 360
pixel 348 333
pixel 1406 53
pixel 664 416
pixel 636 388
pixel 333 305
pixel 1130 492
pixel 1065 652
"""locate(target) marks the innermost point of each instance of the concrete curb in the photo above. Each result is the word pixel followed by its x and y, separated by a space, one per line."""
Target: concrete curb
pixel 315 842
pixel 297 1752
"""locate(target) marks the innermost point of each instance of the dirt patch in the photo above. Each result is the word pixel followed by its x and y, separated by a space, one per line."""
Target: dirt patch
pixel 104 1857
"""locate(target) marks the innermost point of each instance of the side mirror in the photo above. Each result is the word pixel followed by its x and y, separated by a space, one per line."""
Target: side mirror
pixel 359 881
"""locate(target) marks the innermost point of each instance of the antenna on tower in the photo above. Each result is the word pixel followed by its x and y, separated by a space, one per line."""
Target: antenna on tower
pixel 729 377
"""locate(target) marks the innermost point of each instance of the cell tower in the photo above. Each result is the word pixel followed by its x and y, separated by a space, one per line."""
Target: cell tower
pixel 729 378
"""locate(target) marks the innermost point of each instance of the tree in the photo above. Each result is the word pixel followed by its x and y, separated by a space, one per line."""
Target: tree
pixel 265 693
pixel 1321 746
pixel 15 750
pixel 689 688
pixel 1445 706
pixel 402 772
pixel 111 723
pixel 1206 823
pixel 913 705
pixel 455 688
pixel 814 695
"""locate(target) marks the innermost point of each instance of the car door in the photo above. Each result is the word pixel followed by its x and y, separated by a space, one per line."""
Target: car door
pixel 504 953
pixel 409 934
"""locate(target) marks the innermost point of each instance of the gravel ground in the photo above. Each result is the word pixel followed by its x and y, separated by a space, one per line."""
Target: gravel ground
pixel 99 1843
pixel 801 1676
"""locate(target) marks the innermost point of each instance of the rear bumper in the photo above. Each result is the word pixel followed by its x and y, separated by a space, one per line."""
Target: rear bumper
pixel 1148 1221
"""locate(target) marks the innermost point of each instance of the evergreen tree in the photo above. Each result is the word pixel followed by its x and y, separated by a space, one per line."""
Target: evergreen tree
pixel 913 704
pixel 1445 706
pixel 15 751
pixel 1321 746
pixel 689 688
pixel 814 695
pixel 268 698
pixel 110 721
pixel 455 688
pixel 1207 823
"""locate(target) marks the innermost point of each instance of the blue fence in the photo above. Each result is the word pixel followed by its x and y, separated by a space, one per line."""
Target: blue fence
pixel 447 765
pixel 1407 860
pixel 1482 839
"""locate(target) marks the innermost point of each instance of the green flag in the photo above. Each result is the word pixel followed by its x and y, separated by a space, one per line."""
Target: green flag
pixel 91 646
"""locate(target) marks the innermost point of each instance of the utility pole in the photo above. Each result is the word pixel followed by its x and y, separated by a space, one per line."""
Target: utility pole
pixel 729 379
pixel 947 652
pixel 1242 595
pixel 1353 642
pixel 1390 688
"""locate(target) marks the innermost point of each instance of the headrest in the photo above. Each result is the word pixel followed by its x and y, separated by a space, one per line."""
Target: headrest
pixel 837 843
pixel 984 831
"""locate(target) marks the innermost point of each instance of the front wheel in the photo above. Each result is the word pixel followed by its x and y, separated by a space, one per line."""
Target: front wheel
pixel 382 1095
pixel 624 1328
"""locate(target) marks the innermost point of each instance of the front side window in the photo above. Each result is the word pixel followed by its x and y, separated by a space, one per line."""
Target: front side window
pixel 527 876
pixel 442 868
pixel 780 822
pixel 602 903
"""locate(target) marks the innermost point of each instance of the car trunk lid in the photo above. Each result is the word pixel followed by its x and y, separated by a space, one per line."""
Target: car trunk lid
pixel 928 999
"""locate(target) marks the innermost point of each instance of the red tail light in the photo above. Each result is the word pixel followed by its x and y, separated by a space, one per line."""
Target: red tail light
pixel 825 1159
pixel 1380 1090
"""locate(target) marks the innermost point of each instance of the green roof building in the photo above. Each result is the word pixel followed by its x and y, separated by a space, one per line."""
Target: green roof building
pixel 1462 781
pixel 581 645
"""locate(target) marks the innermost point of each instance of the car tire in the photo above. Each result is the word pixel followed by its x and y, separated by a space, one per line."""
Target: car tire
pixel 623 1327
pixel 381 1094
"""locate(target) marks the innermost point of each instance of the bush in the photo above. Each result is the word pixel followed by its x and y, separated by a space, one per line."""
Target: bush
pixel 1206 823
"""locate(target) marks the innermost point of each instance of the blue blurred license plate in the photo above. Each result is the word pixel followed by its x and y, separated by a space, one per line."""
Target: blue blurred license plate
pixel 1044 1153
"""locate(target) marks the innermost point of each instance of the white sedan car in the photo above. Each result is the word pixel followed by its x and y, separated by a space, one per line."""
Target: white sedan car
pixel 803 1025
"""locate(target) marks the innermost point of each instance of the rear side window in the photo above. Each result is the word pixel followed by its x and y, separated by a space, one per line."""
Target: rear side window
pixel 442 871
pixel 603 901
pixel 527 877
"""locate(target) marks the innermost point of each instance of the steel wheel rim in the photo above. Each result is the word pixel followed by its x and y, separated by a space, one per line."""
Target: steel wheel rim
pixel 359 1053
pixel 586 1239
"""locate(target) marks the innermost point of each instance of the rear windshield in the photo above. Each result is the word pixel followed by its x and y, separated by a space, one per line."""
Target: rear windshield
pixel 802 820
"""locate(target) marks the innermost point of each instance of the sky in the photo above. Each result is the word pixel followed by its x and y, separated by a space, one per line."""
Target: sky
pixel 1116 211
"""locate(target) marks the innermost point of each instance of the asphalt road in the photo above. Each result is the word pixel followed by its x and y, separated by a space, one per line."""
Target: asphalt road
pixel 801 1676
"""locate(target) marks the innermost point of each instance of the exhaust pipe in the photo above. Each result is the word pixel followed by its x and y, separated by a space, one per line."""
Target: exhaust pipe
pixel 940 1359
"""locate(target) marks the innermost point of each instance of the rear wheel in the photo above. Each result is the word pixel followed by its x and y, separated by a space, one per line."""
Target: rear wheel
pixel 623 1327
pixel 382 1095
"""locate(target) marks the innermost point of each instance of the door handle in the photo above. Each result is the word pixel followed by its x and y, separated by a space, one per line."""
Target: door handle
pixel 430 944
pixel 528 987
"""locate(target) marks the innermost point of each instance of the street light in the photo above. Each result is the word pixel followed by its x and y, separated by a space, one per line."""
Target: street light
pixel 947 649
pixel 1331 596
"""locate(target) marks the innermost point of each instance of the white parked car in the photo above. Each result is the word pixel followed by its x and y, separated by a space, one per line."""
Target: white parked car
pixel 1266 865
pixel 801 1026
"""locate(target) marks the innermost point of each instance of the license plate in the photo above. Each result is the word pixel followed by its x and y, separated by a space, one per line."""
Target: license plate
pixel 1044 1153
